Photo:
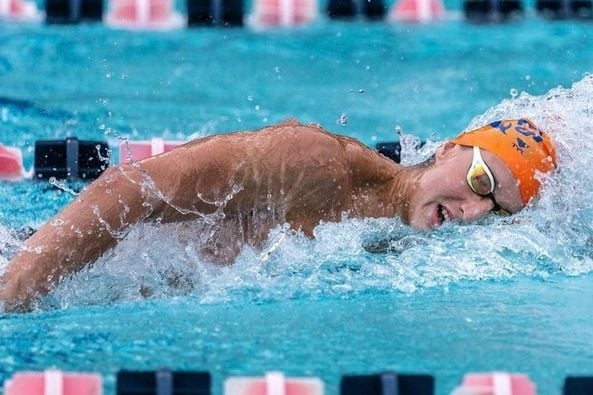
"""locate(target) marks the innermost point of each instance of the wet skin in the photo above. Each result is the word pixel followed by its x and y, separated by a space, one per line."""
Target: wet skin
pixel 246 183
pixel 444 187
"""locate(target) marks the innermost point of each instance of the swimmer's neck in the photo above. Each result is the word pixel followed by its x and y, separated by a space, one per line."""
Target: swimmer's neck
pixel 392 196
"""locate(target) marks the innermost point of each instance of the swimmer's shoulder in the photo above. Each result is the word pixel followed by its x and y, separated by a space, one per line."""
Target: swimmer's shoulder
pixel 292 128
pixel 294 135
pixel 313 135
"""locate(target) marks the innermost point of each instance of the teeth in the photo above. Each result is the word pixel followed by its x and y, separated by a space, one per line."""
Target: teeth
pixel 445 214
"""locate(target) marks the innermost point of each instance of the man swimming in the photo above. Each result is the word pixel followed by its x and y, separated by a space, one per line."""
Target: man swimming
pixel 246 183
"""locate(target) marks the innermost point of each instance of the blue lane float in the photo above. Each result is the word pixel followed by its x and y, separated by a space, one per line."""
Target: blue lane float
pixel 73 11
pixel 161 14
pixel 215 12
pixel 349 9
pixel 167 382
pixel 86 160
pixel 562 9
pixel 392 150
pixel 163 382
pixel 578 386
pixel 70 159
pixel 388 383
pixel 486 11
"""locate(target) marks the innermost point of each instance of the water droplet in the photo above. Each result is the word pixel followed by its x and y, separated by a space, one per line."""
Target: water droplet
pixel 514 93
pixel 343 120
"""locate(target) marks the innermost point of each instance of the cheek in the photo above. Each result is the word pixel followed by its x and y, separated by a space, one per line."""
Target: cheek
pixel 440 187
pixel 451 186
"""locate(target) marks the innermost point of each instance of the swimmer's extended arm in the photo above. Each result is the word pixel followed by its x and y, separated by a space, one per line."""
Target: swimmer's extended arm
pixel 302 170
pixel 93 223
pixel 77 235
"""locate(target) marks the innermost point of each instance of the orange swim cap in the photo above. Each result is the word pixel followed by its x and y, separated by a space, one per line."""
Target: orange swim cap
pixel 520 145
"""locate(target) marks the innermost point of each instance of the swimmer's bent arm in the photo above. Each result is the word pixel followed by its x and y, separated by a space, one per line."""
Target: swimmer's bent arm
pixel 161 187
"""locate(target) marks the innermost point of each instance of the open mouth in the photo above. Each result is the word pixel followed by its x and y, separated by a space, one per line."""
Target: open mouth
pixel 443 214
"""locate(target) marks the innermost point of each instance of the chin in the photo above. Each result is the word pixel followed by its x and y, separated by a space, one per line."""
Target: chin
pixel 426 219
pixel 421 224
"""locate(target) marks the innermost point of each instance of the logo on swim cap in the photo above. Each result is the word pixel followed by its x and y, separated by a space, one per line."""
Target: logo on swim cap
pixel 521 145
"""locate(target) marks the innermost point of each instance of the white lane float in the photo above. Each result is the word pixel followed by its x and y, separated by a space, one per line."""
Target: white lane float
pixel 133 150
pixel 144 15
pixel 11 163
pixel 285 13
pixel 19 11
pixel 422 11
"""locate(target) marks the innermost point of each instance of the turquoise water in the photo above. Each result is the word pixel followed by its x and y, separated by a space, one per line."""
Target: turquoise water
pixel 504 294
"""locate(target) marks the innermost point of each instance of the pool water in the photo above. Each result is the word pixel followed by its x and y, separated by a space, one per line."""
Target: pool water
pixel 504 294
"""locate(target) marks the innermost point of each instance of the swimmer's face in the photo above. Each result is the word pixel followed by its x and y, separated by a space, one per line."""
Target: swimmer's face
pixel 443 194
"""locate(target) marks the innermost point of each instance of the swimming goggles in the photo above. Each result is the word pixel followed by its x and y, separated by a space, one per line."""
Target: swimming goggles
pixel 481 181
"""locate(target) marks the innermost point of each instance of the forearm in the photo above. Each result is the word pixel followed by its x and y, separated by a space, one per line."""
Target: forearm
pixel 84 230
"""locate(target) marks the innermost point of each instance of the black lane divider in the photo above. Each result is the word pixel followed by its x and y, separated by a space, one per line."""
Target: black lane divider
pixel 163 382
pixel 70 159
pixel 232 12
pixel 349 9
pixel 73 159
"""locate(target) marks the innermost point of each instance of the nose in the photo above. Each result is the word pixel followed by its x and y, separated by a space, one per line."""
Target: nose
pixel 476 208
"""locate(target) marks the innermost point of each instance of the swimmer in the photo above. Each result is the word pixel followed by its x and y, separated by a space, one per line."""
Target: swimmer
pixel 249 182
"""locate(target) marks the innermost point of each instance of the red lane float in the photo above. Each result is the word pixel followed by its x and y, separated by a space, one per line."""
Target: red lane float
pixel 11 163
pixel 495 384
pixel 284 12
pixel 417 10
pixel 144 14
pixel 136 150
pixel 53 382
pixel 274 383
pixel 19 10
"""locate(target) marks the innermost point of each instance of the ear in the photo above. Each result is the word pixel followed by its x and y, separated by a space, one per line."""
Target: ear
pixel 444 150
